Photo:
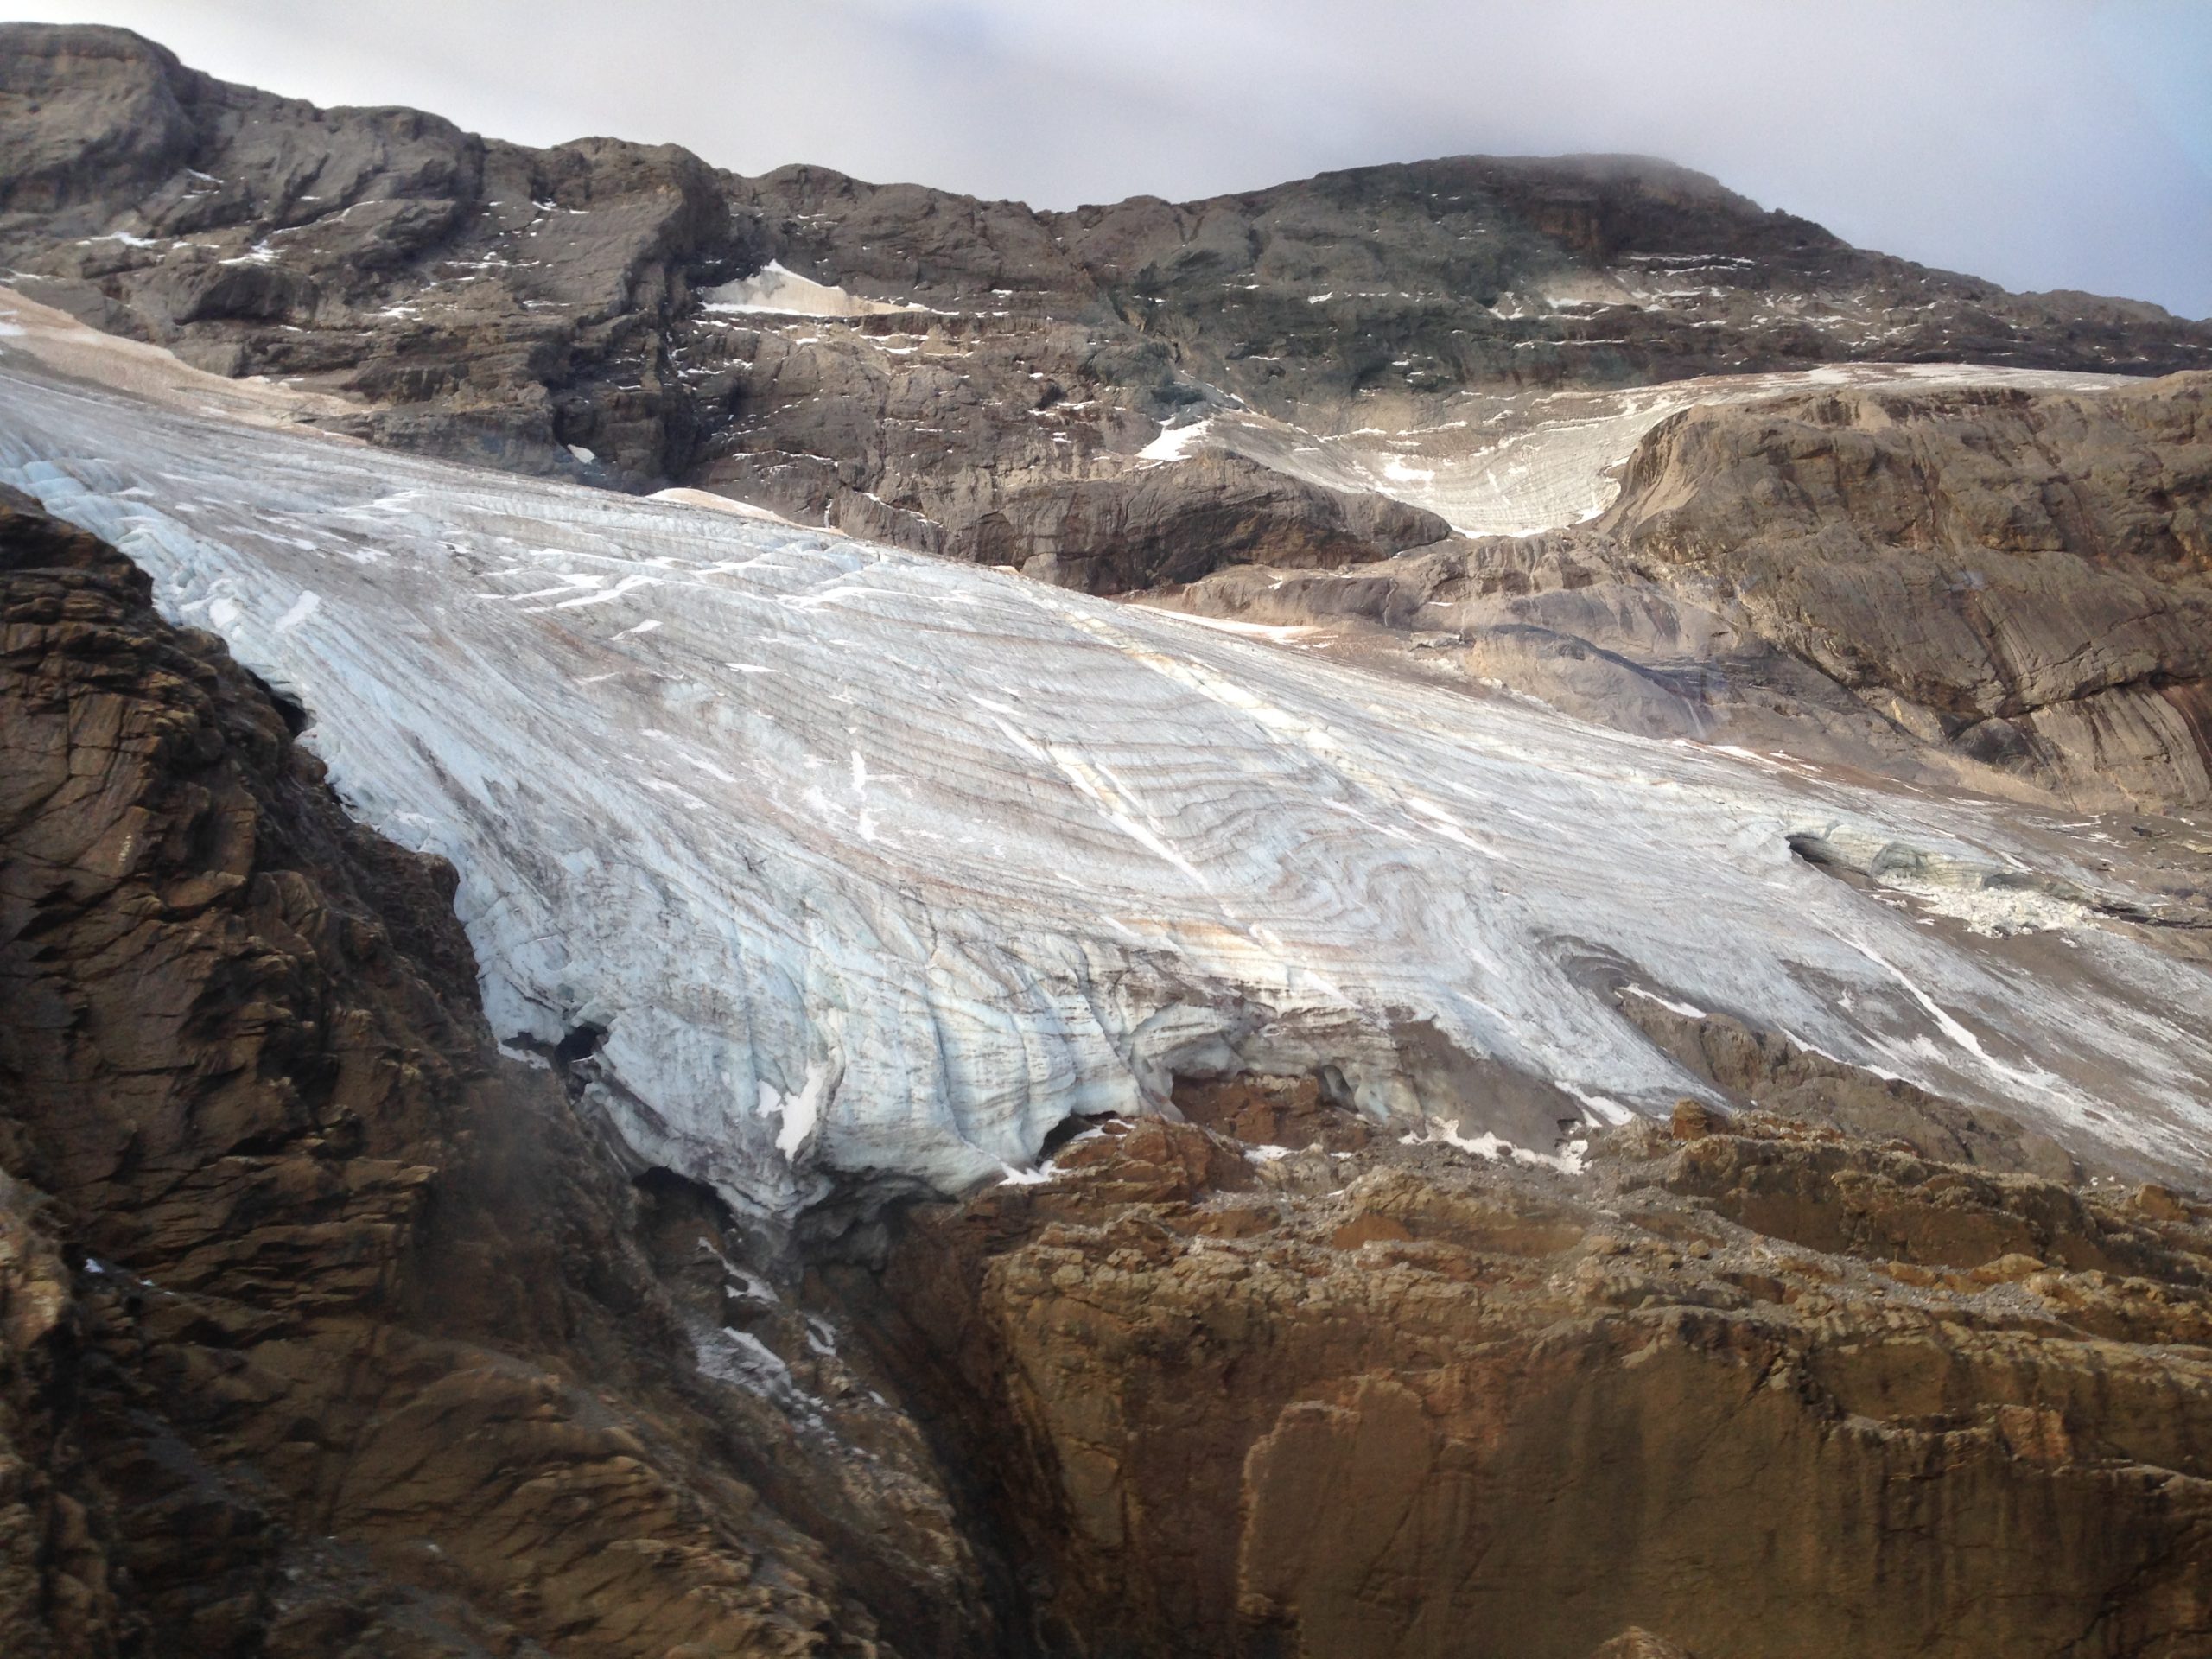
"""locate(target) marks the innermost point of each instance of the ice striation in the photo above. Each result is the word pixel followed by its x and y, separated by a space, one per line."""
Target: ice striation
pixel 868 865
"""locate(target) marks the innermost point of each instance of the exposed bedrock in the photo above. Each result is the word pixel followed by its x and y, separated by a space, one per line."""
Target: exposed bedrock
pixel 1976 584
pixel 2026 579
pixel 1748 1388
pixel 475 298
pixel 1107 536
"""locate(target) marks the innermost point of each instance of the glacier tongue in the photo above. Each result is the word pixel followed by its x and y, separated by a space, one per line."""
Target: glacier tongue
pixel 867 862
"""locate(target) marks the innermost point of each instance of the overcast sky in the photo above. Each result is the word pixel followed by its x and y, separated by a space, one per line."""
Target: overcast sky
pixel 2045 143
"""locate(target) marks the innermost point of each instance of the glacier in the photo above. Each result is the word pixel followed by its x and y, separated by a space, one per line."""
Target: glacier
pixel 866 866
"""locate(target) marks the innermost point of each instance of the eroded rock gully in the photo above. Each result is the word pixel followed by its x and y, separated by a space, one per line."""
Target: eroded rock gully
pixel 325 1329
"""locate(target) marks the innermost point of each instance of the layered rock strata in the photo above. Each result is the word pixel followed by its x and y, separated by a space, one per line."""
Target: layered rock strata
pixel 1744 1387
pixel 1979 584
pixel 324 1329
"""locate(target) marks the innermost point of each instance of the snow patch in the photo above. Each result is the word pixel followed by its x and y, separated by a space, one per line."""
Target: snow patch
pixel 1567 1161
pixel 1688 1010
pixel 800 1112
pixel 774 291
pixel 1174 442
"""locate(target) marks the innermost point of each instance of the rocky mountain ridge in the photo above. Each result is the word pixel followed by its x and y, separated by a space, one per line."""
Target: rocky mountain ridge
pixel 1128 398
pixel 558 309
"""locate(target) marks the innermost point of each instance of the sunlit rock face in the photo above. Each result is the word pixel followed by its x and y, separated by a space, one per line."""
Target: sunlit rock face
pixel 1949 576
pixel 856 863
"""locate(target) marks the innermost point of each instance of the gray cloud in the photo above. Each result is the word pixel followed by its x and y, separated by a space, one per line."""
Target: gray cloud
pixel 2044 144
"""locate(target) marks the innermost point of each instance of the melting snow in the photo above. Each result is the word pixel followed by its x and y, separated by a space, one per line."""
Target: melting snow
pixel 1174 441
pixel 774 291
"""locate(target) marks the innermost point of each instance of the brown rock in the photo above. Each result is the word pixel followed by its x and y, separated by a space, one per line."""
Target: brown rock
pixel 1693 1119
pixel 1176 521
pixel 1368 1227
pixel 1640 1644
pixel 1264 1111
pixel 332 1333
pixel 2027 577
pixel 1993 587
pixel 2160 1203
pixel 1560 1416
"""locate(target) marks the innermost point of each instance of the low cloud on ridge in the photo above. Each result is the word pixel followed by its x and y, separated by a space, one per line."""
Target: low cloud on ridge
pixel 2043 144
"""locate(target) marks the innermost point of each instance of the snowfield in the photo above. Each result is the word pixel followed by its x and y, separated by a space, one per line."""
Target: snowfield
pixel 1515 463
pixel 869 863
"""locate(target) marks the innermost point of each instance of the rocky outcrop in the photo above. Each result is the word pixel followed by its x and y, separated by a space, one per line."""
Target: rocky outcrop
pixel 1177 523
pixel 1995 587
pixel 2023 579
pixel 1755 1068
pixel 1385 286
pixel 324 1328
pixel 1746 1388
pixel 1388 284
pixel 480 300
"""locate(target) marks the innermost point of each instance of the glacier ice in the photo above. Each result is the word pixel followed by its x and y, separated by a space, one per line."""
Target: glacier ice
pixel 868 863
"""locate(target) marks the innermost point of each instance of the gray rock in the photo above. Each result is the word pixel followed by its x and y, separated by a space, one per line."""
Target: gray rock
pixel 2022 576
pixel 530 309
pixel 2006 590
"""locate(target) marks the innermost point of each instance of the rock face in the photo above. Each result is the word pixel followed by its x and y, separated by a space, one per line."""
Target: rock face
pixel 1747 1388
pixel 976 378
pixel 1106 536
pixel 2025 579
pixel 323 1329
pixel 477 298
pixel 1973 584
pixel 1398 283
